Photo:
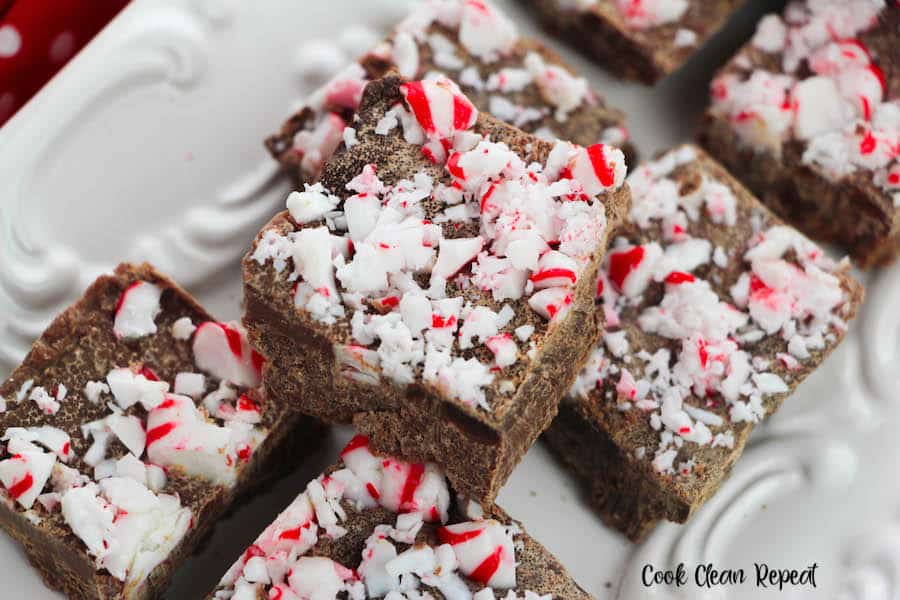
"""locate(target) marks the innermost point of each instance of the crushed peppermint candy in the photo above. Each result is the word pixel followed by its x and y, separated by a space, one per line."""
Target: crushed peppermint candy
pixel 705 317
pixel 637 14
pixel 645 14
pixel 416 552
pixel 829 93
pixel 378 262
pixel 473 43
pixel 114 494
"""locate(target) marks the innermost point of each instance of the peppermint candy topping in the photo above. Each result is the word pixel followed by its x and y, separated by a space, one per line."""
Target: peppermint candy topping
pixel 395 559
pixel 127 528
pixel 459 39
pixel 537 228
pixel 787 291
pixel 836 104
pixel 118 510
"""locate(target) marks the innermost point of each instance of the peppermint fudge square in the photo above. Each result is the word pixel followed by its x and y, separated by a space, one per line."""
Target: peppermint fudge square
pixel 436 288
pixel 808 116
pixel 637 39
pixel 131 427
pixel 515 78
pixel 378 527
pixel 715 312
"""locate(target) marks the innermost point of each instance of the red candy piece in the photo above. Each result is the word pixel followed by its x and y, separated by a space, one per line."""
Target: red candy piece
pixel 621 264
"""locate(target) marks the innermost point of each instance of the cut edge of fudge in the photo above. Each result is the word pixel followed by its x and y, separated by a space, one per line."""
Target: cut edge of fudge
pixel 490 62
pixel 477 449
pixel 646 46
pixel 607 436
pixel 817 145
pixel 370 518
pixel 60 556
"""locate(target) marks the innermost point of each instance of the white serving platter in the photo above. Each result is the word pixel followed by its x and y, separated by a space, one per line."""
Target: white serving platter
pixel 148 147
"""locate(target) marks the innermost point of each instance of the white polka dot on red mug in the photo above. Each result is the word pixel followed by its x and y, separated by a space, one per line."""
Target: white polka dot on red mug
pixel 10 41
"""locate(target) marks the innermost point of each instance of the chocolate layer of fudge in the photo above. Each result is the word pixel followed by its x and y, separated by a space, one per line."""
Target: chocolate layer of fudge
pixel 715 312
pixel 517 79
pixel 130 428
pixel 374 526
pixel 808 116
pixel 637 39
pixel 435 288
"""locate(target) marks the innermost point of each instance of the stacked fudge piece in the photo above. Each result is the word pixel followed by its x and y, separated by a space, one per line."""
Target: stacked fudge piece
pixel 131 427
pixel 517 79
pixel 638 39
pixel 374 526
pixel 436 287
pixel 808 115
pixel 715 311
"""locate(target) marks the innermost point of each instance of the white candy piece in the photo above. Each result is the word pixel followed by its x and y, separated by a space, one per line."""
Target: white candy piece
pixel 485 32
pixel 47 403
pixel 820 107
pixel 550 303
pixel 316 145
pixel 453 255
pixel 183 328
pixel 223 350
pixel 53 439
pixel 311 204
pixel 137 310
pixel 130 388
pixel 178 435
pixel 126 527
pixel 25 475
pixel 643 14
pixel 557 85
pixel 555 269
pixel 130 431
pixel 190 384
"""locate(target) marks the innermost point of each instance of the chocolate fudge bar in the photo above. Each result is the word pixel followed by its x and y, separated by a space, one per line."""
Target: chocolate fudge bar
pixel 435 288
pixel 808 116
pixel 515 78
pixel 715 312
pixel 637 39
pixel 374 526
pixel 130 428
